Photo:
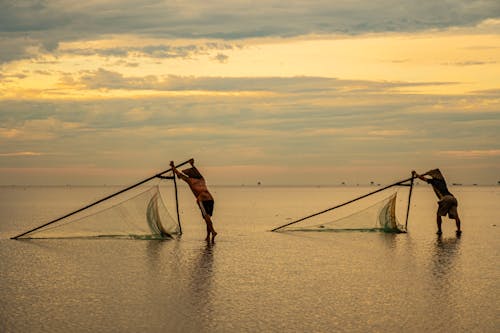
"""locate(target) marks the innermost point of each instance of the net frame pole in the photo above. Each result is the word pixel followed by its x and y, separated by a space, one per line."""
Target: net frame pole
pixel 342 204
pixel 177 204
pixel 409 202
pixel 99 201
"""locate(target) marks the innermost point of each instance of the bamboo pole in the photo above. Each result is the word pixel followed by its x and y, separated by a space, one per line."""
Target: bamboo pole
pixel 98 201
pixel 343 204
pixel 409 202
pixel 177 204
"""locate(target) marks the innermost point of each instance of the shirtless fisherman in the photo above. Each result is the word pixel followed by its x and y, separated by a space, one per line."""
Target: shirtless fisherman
pixel 447 202
pixel 203 197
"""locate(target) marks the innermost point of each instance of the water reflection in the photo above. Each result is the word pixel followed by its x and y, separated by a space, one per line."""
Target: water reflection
pixel 390 240
pixel 155 251
pixel 201 276
pixel 200 286
pixel 444 256
pixel 183 277
pixel 444 269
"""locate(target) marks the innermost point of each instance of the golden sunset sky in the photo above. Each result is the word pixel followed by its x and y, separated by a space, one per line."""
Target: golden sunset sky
pixel 296 92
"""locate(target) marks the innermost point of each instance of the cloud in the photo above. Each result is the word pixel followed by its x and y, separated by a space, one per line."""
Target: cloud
pixel 32 130
pixel 9 132
pixel 45 24
pixel 17 48
pixel 222 58
pixel 298 121
pixel 390 133
pixel 20 154
pixel 158 50
pixel 470 63
pixel 299 108
pixel 495 92
pixel 10 77
pixel 472 153
pixel 106 79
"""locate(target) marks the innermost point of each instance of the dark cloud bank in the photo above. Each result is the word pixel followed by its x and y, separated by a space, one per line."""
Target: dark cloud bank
pixel 46 23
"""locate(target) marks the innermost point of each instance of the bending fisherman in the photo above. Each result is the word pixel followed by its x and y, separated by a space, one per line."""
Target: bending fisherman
pixel 203 197
pixel 447 204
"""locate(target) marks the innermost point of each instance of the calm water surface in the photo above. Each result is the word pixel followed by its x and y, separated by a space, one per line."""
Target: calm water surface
pixel 252 280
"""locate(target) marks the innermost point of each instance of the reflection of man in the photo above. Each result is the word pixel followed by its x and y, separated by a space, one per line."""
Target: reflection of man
pixel 203 197
pixel 447 202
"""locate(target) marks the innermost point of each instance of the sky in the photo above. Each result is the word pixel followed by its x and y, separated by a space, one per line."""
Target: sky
pixel 299 92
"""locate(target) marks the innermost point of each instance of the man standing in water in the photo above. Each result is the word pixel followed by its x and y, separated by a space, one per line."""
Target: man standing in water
pixel 203 197
pixel 447 204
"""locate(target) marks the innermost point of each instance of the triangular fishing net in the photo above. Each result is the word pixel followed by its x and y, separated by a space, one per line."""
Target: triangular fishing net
pixel 136 214
pixel 378 216
pixel 366 212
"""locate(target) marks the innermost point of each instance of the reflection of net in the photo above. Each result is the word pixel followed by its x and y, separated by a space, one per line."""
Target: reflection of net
pixel 143 215
pixel 379 216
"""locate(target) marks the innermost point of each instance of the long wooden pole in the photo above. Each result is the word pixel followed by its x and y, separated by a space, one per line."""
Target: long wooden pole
pixel 98 201
pixel 409 203
pixel 177 205
pixel 343 204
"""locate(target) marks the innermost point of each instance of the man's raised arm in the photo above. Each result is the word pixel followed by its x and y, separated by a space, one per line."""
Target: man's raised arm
pixel 177 172
pixel 415 174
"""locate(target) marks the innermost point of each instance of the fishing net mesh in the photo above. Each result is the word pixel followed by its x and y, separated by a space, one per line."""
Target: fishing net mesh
pixel 138 214
pixel 380 215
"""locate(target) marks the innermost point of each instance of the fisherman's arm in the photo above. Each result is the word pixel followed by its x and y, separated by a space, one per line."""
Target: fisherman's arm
pixel 421 177
pixel 177 172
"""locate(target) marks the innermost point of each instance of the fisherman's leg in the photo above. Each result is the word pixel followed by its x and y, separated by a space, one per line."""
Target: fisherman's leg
pixel 204 215
pixel 439 221
pixel 453 214
pixel 208 231
pixel 457 222
pixel 210 227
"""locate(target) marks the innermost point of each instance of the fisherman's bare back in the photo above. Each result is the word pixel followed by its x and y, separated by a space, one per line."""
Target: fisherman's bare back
pixel 199 189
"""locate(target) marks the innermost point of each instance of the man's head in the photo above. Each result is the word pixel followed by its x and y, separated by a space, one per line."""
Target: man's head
pixel 435 173
pixel 192 173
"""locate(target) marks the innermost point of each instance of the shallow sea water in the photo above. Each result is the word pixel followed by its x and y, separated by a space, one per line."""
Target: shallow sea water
pixel 251 279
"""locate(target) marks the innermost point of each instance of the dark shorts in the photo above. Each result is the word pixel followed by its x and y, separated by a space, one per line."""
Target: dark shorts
pixel 448 206
pixel 206 207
